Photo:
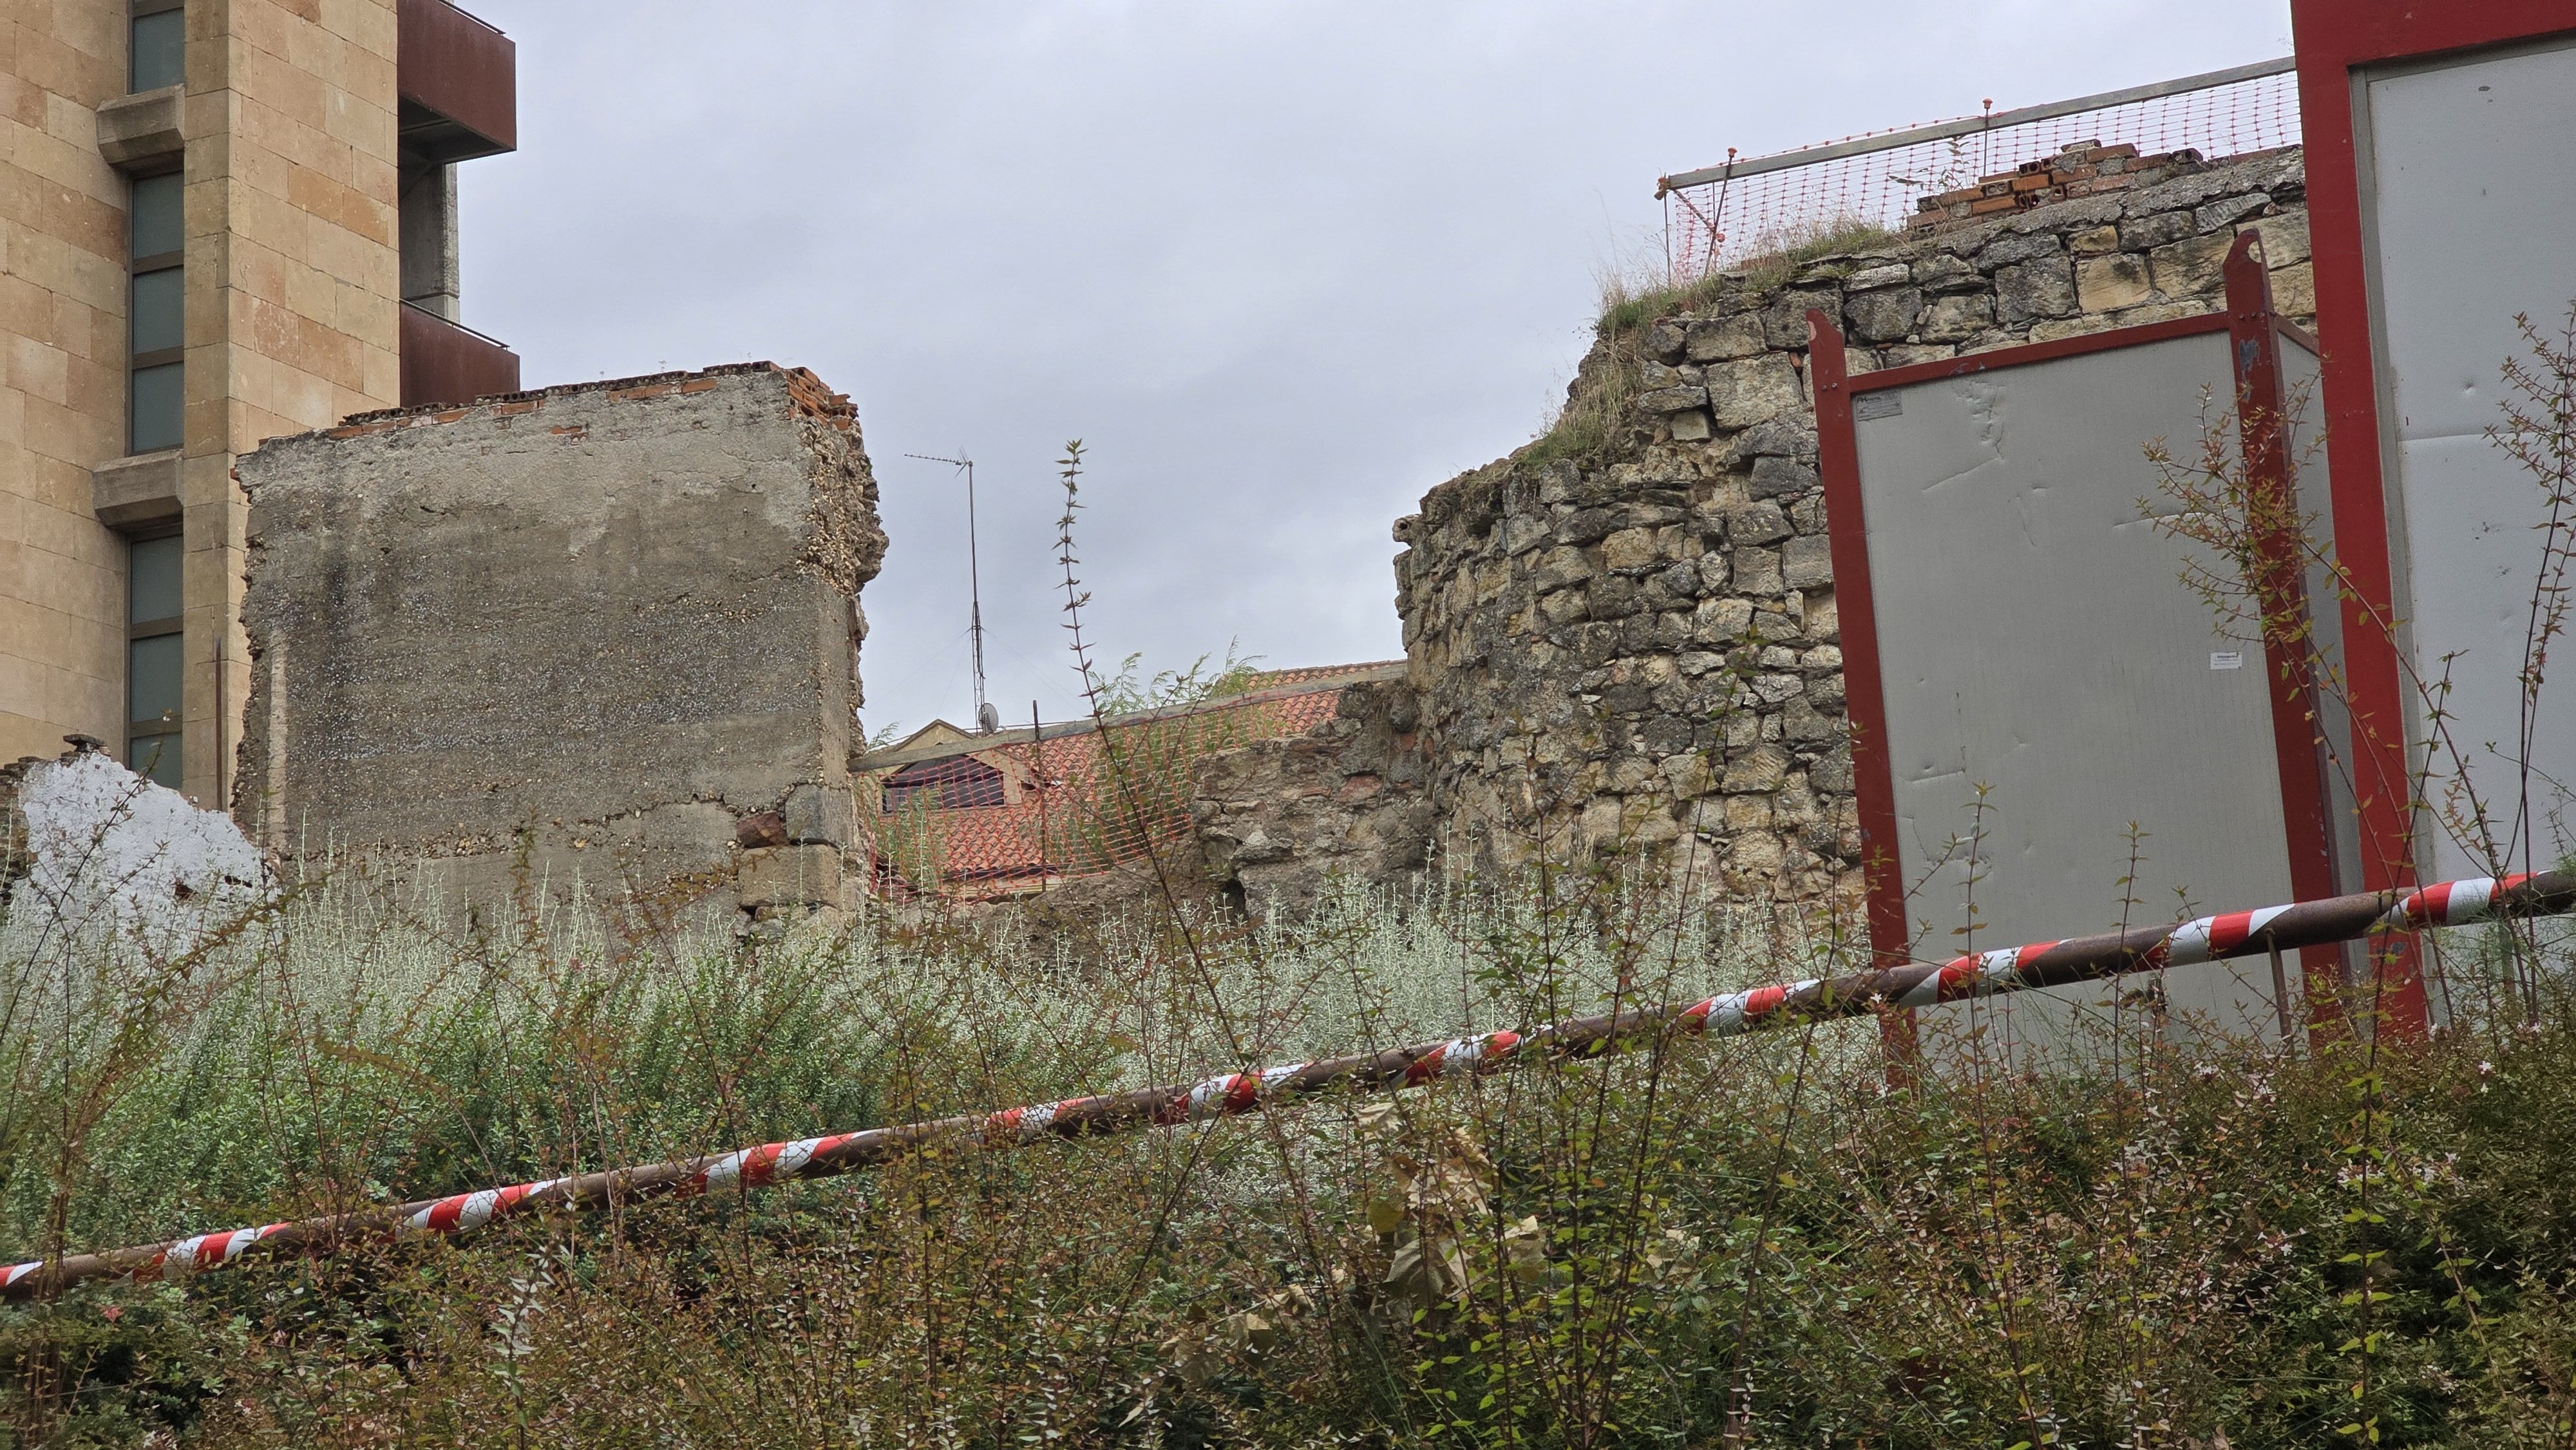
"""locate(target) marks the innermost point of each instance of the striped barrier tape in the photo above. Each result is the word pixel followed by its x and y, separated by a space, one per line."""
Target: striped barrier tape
pixel 2013 969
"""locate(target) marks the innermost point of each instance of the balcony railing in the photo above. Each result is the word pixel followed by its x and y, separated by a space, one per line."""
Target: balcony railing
pixel 445 363
pixel 459 83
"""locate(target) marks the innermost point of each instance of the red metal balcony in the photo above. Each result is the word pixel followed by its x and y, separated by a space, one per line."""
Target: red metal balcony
pixel 458 79
pixel 445 363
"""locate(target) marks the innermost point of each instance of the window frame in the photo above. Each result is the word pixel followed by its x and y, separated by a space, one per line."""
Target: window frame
pixel 136 268
pixel 141 9
pixel 173 725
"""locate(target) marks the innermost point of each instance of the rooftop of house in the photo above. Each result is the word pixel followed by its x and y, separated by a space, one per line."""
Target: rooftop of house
pixel 985 815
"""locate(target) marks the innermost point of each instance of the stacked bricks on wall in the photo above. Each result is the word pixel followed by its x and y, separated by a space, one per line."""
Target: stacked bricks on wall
pixel 1633 639
pixel 2087 168
pixel 662 578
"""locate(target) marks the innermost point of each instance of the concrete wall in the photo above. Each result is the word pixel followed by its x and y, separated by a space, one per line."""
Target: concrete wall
pixel 1627 632
pixel 604 624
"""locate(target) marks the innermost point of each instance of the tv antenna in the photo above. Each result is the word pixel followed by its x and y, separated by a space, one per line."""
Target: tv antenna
pixel 987 719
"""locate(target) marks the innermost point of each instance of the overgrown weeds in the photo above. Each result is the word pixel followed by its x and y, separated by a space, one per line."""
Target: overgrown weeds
pixel 1634 296
pixel 1750 1242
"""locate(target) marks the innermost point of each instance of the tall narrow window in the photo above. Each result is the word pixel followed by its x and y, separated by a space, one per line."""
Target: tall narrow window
pixel 159 50
pixel 154 344
pixel 153 659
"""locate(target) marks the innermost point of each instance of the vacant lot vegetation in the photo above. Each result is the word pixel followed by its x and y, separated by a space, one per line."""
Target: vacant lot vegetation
pixel 2169 1239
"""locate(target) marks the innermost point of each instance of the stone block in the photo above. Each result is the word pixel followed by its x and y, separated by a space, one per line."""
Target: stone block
pixel 1784 322
pixel 137 492
pixel 2227 211
pixel 1610 597
pixel 818 815
pixel 1943 272
pixel 1671 400
pixel 1757 572
pixel 2107 284
pixel 1586 526
pixel 1958 317
pixel 1778 477
pixel 1833 774
pixel 2032 290
pixel 1753 390
pixel 2080 325
pixel 1724 339
pixel 1689 427
pixel 2192 266
pixel 1721 621
pixel 1790 437
pixel 1807 563
pixel 1761 522
pixel 778 876
pixel 1688 776
pixel 2146 233
pixel 2294 290
pixel 1665 340
pixel 2013 251
pixel 1885 315
pixel 2095 242
pixel 1757 771
pixel 1871 279
pixel 2285 238
pixel 1630 549
pixel 137 130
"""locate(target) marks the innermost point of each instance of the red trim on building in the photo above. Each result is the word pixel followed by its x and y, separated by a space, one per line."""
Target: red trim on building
pixel 1864 686
pixel 2249 318
pixel 2334 37
pixel 2281 592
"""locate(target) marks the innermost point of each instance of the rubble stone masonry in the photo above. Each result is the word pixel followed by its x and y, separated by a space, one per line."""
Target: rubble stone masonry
pixel 605 633
pixel 1627 632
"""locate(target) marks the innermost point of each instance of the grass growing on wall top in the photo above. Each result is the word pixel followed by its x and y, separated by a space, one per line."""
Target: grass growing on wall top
pixel 1632 298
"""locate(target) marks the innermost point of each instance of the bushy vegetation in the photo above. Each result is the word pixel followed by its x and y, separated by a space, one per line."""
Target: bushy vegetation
pixel 2165 1238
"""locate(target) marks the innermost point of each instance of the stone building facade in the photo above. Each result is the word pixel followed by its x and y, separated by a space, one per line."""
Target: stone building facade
pixel 658 579
pixel 1626 632
pixel 205 227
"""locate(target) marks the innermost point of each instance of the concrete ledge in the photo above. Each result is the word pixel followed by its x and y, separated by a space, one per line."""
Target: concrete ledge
pixel 141 128
pixel 137 492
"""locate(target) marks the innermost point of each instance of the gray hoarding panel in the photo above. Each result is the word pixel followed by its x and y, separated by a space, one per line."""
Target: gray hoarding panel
pixel 2470 201
pixel 2036 639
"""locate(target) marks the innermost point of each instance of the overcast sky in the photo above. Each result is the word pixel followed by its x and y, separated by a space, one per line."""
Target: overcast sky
pixel 1284 265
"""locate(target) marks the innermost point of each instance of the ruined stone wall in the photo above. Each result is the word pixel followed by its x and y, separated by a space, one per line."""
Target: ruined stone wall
pixel 1626 631
pixel 1277 820
pixel 606 632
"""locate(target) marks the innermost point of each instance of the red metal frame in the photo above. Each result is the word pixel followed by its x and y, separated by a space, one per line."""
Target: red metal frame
pixel 2335 37
pixel 2254 332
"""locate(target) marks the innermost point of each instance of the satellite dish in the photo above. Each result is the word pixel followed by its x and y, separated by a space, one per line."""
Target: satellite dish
pixel 989 718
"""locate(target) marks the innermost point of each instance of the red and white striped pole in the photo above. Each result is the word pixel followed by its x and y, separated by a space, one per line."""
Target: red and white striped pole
pixel 2013 969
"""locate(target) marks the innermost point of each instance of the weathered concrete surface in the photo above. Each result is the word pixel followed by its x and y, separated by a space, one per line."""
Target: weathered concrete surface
pixel 576 634
pixel 93 856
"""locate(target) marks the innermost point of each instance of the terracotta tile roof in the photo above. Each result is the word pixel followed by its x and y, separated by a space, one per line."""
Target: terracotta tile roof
pixel 1076 819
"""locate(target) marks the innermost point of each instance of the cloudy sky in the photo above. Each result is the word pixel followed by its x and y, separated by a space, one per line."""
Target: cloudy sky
pixel 1283 265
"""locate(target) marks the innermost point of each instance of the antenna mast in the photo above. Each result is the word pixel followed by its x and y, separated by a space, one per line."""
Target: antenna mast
pixel 987 719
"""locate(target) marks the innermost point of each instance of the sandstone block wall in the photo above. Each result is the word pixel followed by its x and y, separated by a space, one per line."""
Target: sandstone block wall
pixel 62 377
pixel 1626 632
pixel 608 631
